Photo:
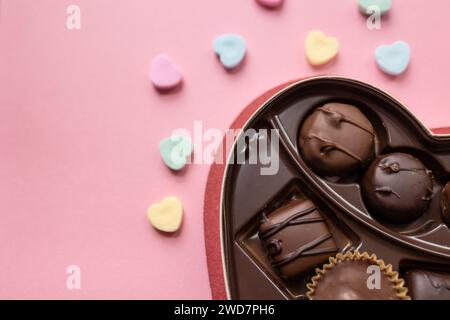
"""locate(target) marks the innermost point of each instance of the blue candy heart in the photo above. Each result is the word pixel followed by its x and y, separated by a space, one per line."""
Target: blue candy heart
pixel 175 150
pixel 393 59
pixel 383 5
pixel 231 49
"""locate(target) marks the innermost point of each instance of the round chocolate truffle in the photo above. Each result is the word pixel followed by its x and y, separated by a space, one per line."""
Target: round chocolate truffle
pixel 445 203
pixel 337 139
pixel 356 276
pixel 397 188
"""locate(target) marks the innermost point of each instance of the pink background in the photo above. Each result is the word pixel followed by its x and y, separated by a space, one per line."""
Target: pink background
pixel 80 124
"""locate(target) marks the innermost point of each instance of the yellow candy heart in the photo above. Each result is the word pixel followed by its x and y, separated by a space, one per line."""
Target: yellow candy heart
pixel 167 215
pixel 320 48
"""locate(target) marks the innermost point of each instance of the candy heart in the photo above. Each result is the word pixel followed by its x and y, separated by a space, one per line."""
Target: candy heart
pixel 320 48
pixel 167 215
pixel 175 150
pixel 231 49
pixel 383 5
pixel 271 4
pixel 164 74
pixel 393 59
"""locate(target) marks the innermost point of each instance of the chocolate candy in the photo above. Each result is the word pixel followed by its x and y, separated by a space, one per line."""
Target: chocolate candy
pixel 296 238
pixel 397 188
pixel 353 277
pixel 428 285
pixel 337 139
pixel 367 165
pixel 445 203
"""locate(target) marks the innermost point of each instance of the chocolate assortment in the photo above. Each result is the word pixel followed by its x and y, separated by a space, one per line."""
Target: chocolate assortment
pixel 358 176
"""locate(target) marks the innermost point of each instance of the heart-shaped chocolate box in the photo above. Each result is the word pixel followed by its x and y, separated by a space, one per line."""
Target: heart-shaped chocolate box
pixel 415 248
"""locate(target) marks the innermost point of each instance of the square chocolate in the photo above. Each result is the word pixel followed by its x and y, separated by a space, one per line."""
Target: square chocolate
pixel 428 285
pixel 296 238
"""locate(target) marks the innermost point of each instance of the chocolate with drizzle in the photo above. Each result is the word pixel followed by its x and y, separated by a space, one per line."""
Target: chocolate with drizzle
pixel 445 203
pixel 337 139
pixel 397 188
pixel 296 238
pixel 428 285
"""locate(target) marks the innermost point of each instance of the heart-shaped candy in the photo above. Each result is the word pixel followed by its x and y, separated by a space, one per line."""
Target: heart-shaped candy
pixel 271 4
pixel 320 48
pixel 167 215
pixel 231 49
pixel 175 150
pixel 383 5
pixel 393 59
pixel 164 74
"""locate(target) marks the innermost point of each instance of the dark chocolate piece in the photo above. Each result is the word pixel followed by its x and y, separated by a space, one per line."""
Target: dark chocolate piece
pixel 348 280
pixel 427 285
pixel 296 237
pixel 445 203
pixel 397 188
pixel 337 139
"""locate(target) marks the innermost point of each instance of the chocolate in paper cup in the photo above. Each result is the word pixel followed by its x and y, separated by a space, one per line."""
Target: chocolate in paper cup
pixel 348 277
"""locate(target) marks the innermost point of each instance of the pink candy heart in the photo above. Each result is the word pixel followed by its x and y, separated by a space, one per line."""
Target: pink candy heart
pixel 270 3
pixel 164 74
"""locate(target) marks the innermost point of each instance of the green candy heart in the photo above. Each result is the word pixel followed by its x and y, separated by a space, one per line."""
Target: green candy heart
pixel 383 5
pixel 175 150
